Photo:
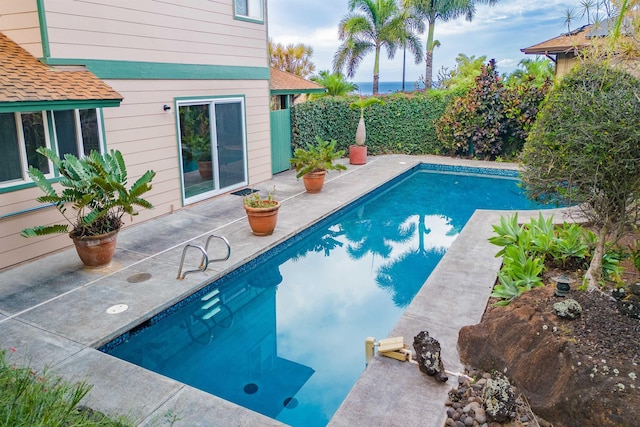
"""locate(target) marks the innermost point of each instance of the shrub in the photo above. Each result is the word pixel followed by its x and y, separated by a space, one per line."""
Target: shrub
pixel 584 149
pixel 490 121
pixel 404 124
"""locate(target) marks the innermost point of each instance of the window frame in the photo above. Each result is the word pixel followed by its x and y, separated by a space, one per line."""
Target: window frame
pixel 51 142
pixel 258 20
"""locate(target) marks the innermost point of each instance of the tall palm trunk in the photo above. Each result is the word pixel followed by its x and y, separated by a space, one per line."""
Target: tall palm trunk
pixel 428 75
pixel 376 70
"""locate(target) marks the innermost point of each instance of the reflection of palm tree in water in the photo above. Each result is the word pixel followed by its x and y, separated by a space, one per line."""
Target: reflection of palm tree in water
pixel 406 274
pixel 325 244
pixel 366 236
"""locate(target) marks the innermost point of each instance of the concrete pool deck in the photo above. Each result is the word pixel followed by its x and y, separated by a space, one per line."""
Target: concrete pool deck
pixel 53 312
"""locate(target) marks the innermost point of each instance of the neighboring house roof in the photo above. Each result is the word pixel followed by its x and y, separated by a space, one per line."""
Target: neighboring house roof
pixel 576 39
pixel 283 83
pixel 564 43
pixel 26 80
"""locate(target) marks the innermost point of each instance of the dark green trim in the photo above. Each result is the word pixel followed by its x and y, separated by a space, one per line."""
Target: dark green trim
pixel 16 187
pixel 295 91
pixel 44 30
pixel 247 19
pixel 17 107
pixel 136 70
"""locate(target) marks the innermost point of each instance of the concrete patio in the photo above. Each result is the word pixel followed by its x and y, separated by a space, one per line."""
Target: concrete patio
pixel 53 311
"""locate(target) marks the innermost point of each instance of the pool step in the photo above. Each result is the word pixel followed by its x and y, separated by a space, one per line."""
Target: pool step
pixel 212 304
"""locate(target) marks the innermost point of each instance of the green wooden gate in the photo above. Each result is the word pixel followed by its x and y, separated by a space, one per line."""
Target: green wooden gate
pixel 280 140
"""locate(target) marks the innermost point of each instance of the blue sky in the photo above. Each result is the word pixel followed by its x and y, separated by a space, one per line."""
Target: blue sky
pixel 498 32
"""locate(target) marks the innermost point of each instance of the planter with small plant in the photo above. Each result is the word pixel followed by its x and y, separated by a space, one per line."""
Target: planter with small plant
pixel 313 162
pixel 95 187
pixel 262 213
pixel 358 151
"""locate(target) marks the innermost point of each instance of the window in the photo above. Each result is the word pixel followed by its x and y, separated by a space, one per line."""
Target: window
pixel 251 9
pixel 21 134
pixel 76 132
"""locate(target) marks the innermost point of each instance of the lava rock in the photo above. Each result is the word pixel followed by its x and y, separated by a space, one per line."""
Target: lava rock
pixel 618 293
pixel 499 399
pixel 635 288
pixel 567 309
pixel 428 356
pixel 630 306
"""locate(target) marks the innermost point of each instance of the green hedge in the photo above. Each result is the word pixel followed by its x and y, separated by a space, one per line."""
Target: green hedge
pixel 404 124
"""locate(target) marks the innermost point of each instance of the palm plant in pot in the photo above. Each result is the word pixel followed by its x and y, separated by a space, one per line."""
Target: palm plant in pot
pixel 262 213
pixel 313 162
pixel 95 187
pixel 358 152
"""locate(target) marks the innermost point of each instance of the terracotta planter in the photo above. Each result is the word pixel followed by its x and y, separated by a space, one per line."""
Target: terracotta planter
pixel 206 170
pixel 96 251
pixel 358 154
pixel 313 181
pixel 262 220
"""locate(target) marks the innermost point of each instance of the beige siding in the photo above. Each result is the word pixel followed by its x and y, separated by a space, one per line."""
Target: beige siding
pixel 564 63
pixel 193 32
pixel 146 135
pixel 19 22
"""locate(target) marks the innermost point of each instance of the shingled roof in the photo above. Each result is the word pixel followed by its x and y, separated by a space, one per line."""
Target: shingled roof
pixel 287 83
pixel 24 79
pixel 564 43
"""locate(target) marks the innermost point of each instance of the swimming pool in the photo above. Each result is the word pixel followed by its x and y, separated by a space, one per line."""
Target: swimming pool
pixel 285 334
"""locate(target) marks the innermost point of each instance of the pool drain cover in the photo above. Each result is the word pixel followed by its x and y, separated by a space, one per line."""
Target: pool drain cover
pixel 290 402
pixel 251 388
pixel 138 277
pixel 118 308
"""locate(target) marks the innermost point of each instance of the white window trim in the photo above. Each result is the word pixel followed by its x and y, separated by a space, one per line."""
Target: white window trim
pixel 251 18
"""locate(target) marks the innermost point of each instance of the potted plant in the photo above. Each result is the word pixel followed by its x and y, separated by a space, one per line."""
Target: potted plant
pixel 261 213
pixel 95 187
pixel 313 163
pixel 358 152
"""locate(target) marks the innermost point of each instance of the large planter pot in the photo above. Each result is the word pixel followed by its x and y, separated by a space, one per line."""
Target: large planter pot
pixel 96 251
pixel 262 220
pixel 313 181
pixel 206 170
pixel 358 154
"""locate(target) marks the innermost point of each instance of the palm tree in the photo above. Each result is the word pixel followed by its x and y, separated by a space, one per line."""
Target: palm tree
pixel 335 84
pixel 378 25
pixel 442 10
pixel 294 59
pixel 409 38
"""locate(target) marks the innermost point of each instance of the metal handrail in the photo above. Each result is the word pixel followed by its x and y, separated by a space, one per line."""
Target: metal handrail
pixel 204 263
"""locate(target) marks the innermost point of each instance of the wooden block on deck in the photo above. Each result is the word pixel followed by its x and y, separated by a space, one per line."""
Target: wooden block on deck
pixel 398 355
pixel 390 344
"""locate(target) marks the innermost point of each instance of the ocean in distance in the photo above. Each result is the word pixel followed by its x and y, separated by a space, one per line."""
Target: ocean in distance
pixel 366 88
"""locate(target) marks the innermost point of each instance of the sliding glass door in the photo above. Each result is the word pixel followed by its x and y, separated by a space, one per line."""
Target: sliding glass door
pixel 213 147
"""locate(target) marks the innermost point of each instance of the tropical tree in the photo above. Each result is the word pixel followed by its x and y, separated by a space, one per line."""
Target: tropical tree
pixel 378 24
pixel 335 84
pixel 465 73
pixel 440 10
pixel 584 149
pixel 292 58
pixel 413 25
pixel 538 71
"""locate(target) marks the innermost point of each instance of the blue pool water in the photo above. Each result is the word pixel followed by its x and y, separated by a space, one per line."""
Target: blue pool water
pixel 284 335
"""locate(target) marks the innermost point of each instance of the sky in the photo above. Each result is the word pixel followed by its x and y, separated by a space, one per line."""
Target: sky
pixel 499 32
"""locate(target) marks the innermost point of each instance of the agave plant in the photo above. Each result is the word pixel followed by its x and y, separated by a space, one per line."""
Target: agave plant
pixel 95 187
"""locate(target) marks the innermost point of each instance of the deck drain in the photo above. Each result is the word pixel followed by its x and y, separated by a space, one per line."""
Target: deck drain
pixel 118 308
pixel 251 388
pixel 139 277
pixel 290 402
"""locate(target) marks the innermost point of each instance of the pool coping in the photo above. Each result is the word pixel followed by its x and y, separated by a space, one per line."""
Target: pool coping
pixel 52 311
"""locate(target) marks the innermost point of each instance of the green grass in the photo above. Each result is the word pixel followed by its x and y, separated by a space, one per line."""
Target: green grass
pixel 29 398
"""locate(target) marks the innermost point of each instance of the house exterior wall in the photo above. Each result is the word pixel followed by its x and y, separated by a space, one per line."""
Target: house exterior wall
pixel 564 63
pixel 20 22
pixel 152 53
pixel 184 32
